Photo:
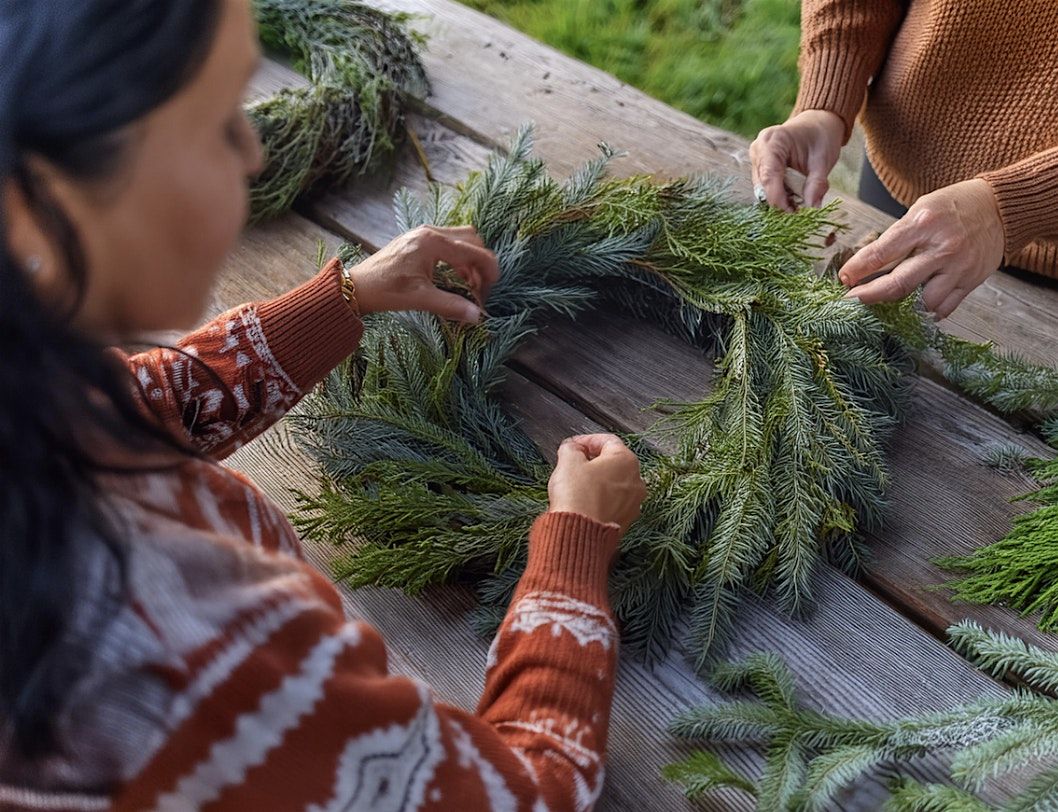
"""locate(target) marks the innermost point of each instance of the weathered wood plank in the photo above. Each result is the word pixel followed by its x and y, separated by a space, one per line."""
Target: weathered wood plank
pixel 854 656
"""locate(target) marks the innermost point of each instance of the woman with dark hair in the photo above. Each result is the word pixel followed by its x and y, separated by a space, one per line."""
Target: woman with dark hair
pixel 162 646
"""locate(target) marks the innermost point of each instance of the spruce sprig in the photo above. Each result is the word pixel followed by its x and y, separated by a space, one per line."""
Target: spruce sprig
pixel 812 756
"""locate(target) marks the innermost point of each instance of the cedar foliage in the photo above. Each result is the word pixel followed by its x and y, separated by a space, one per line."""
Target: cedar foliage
pixel 1021 569
pixel 811 756
pixel 361 64
pixel 780 464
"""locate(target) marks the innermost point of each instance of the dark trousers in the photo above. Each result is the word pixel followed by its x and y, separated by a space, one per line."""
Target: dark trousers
pixel 872 191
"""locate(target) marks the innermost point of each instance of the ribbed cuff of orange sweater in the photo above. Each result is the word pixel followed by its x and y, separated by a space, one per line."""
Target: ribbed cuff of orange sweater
pixel 834 79
pixel 572 554
pixel 1027 194
pixel 311 329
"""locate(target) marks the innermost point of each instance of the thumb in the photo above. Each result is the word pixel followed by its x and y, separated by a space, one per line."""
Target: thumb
pixel 450 306
pixel 881 255
pixel 815 187
pixel 571 452
pixel 816 183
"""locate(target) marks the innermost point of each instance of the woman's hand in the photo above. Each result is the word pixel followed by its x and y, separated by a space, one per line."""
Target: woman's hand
pixel 810 142
pixel 401 275
pixel 597 476
pixel 950 240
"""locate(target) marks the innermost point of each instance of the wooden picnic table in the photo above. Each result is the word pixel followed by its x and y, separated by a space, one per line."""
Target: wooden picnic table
pixel 873 647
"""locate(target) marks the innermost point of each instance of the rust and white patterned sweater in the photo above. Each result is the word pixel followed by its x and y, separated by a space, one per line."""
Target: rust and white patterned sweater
pixel 229 679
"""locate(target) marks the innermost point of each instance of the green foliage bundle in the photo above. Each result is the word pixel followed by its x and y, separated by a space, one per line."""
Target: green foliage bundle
pixel 361 63
pixel 1021 569
pixel 781 462
pixel 811 756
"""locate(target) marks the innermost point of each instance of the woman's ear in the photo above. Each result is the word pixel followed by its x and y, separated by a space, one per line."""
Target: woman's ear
pixel 27 240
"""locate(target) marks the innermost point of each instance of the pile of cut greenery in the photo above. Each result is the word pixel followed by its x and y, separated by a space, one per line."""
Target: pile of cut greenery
pixel 780 463
pixel 362 65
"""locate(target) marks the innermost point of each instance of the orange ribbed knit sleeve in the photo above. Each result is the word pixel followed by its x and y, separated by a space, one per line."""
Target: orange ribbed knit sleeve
pixel 294 709
pixel 1027 194
pixel 843 44
pixel 232 378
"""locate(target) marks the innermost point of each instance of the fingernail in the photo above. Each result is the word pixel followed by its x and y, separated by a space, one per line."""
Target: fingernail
pixel 473 313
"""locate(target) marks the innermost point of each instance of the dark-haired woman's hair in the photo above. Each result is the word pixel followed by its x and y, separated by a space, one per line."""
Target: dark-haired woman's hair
pixel 75 75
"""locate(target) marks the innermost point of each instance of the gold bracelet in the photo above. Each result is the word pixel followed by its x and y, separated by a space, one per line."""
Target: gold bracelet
pixel 349 290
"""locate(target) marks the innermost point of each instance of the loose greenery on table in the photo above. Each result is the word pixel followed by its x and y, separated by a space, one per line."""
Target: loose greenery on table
pixel 361 64
pixel 812 756
pixel 780 463
pixel 1021 569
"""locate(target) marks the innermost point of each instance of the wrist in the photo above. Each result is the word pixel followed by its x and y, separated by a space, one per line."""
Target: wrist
pixel 347 288
pixel 572 554
pixel 584 513
pixel 827 122
pixel 990 215
pixel 369 299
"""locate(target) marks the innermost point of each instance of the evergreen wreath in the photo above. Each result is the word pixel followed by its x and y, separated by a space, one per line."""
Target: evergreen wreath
pixel 780 463
pixel 811 756
pixel 361 64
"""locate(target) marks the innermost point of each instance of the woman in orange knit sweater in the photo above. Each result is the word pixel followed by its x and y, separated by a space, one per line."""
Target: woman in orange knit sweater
pixel 162 645
pixel 961 120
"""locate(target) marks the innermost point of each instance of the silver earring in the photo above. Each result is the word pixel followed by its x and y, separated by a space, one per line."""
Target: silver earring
pixel 34 264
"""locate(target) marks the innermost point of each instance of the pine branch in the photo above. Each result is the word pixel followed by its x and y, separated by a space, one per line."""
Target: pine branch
pixel 811 756
pixel 999 654
pixel 704 772
pixel 911 796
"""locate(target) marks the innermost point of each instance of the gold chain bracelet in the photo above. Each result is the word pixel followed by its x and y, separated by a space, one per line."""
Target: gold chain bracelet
pixel 349 290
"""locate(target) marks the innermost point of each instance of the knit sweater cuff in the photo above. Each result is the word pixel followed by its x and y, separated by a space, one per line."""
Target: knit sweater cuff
pixel 311 329
pixel 1027 194
pixel 834 78
pixel 572 554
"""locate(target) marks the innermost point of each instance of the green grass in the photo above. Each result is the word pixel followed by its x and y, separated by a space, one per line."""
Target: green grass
pixel 732 63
